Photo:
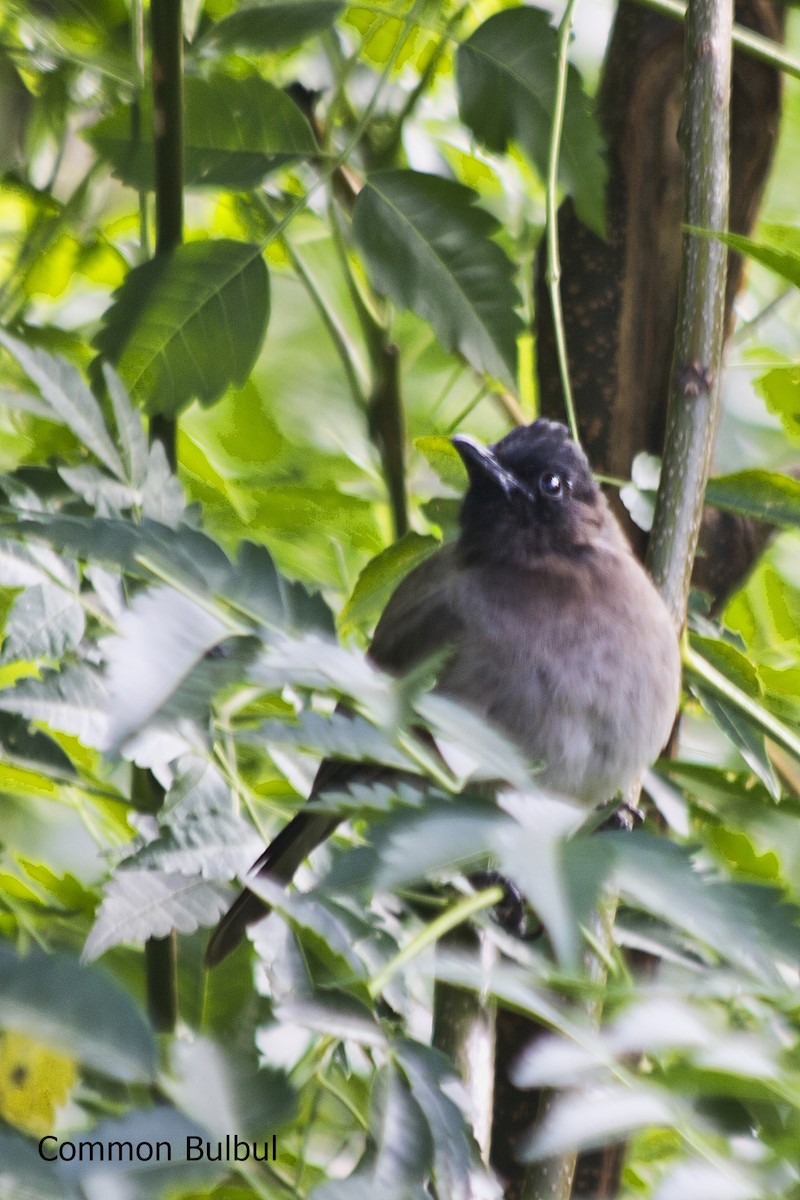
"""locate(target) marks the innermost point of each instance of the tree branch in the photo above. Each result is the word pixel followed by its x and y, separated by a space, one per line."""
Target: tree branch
pixel 693 410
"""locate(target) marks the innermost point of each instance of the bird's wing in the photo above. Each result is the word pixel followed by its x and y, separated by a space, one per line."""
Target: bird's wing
pixel 420 619
pixel 417 623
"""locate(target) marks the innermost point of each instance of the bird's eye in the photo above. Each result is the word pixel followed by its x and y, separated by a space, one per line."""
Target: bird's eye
pixel 551 485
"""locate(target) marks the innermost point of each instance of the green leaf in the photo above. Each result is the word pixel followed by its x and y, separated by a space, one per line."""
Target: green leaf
pixel 779 250
pixel 748 925
pixel 225 1091
pixel 380 577
pixel 72 700
pixel 189 324
pixel 142 904
pixel 595 1116
pixel 454 1149
pixel 68 399
pixel 273 25
pixel 445 460
pixel 780 388
pixel 26 1176
pixel 159 639
pixel 44 622
pixel 199 831
pixel 428 248
pixel 76 1009
pixel 237 131
pixel 506 80
pixel 764 495
pixel 399 1154
pixel 130 434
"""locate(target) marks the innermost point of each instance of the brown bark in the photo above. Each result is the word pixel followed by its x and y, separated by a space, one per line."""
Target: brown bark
pixel 620 299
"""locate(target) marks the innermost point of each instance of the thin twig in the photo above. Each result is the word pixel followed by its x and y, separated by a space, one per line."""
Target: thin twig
pixel 553 273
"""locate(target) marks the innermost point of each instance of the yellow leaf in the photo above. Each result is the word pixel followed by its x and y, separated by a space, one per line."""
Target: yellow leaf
pixel 34 1082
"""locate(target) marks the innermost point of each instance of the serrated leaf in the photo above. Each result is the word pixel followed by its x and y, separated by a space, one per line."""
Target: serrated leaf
pixel 742 731
pixel 746 924
pixel 161 637
pixel 77 1009
pixel 71 701
pixel 142 904
pixel 399 1155
pixel 130 433
pixel 68 398
pixel 199 831
pixel 271 26
pixel 236 132
pixel 226 1091
pixel 764 495
pixel 380 577
pixel 428 247
pixel 454 1150
pixel 506 77
pixel 189 324
pixel 44 622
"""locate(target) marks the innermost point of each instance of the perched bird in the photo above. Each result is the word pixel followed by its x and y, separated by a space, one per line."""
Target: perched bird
pixel 557 635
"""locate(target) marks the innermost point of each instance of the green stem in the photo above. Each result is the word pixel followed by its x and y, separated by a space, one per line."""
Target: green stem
pixel 551 211
pixel 693 410
pixel 454 916
pixel 137 32
pixel 166 23
pixel 716 682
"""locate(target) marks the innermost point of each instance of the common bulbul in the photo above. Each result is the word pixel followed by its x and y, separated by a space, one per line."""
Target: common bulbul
pixel 556 633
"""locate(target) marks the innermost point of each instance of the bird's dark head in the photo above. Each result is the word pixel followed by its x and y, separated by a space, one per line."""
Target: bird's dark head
pixel 529 494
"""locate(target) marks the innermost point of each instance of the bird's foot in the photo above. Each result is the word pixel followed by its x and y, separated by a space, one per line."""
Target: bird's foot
pixel 511 913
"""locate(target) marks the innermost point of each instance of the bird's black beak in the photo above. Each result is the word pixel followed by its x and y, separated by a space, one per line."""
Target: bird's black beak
pixel 481 464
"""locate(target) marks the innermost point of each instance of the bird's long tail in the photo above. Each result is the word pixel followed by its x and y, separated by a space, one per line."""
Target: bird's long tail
pixel 279 861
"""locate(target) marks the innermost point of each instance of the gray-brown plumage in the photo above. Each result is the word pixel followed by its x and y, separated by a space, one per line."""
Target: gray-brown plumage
pixel 557 636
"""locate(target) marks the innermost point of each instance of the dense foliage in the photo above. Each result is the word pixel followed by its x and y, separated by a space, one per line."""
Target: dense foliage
pixel 364 195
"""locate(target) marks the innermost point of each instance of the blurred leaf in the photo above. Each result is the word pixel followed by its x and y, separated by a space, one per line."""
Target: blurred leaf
pixel 428 248
pixel 746 924
pixel 780 388
pixel 399 1153
pixel 226 1092
pixel 141 904
pixel 68 399
pixel 69 701
pixel 506 79
pixel 273 25
pixel 78 1010
pixel 237 131
pixel 454 1148
pixel 35 1081
pixel 445 460
pixel 764 495
pixel 187 325
pixel 596 1116
pixel 26 1176
pixel 380 577
pixel 130 434
pixel 21 743
pixel 778 249
pixel 199 831
pixel 143 1179
pixel 158 640
pixel 44 622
